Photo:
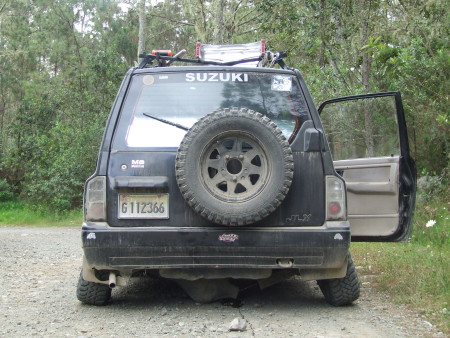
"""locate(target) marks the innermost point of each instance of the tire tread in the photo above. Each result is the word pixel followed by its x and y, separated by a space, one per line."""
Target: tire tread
pixel 92 293
pixel 209 119
pixel 342 291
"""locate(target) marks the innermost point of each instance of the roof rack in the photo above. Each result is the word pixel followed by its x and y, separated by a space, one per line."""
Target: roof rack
pixel 251 54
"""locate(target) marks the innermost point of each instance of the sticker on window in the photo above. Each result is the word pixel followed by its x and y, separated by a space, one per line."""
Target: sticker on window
pixel 281 83
pixel 148 80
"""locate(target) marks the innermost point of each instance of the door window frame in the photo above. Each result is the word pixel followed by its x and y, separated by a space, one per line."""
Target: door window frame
pixel 401 122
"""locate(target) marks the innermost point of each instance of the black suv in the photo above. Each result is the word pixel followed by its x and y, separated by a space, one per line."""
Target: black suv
pixel 217 172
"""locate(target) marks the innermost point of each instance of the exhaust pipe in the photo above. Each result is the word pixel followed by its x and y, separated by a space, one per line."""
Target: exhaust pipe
pixel 112 280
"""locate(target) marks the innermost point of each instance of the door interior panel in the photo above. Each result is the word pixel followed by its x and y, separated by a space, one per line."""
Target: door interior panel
pixel 372 194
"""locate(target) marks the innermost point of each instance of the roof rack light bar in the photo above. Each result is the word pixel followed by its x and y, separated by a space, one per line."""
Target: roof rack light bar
pixel 226 53
pixel 252 54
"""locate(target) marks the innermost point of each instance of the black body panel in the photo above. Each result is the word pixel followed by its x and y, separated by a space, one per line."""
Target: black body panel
pixel 220 247
pixel 303 206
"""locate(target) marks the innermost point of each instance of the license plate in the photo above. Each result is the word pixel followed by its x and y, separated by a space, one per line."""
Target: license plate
pixel 144 206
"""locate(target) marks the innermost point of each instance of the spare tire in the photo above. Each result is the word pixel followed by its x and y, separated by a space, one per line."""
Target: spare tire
pixel 234 166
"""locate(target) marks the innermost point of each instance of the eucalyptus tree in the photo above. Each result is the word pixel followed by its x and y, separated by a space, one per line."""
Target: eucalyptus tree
pixel 347 47
pixel 61 63
pixel 222 21
pixel 60 70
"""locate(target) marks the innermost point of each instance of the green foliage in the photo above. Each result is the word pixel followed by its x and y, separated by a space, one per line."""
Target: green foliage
pixel 61 161
pixel 19 213
pixel 429 186
pixel 424 82
pixel 416 273
pixel 328 40
pixel 6 191
pixel 62 63
pixel 57 95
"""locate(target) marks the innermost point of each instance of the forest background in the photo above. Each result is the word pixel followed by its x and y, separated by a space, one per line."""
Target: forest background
pixel 61 63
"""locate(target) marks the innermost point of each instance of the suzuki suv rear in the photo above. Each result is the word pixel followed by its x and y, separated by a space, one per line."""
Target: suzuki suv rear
pixel 217 171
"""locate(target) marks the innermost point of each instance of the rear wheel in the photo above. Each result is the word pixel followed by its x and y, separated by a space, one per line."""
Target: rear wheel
pixel 92 293
pixel 341 291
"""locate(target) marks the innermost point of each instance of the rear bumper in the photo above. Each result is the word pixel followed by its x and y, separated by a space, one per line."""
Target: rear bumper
pixel 113 248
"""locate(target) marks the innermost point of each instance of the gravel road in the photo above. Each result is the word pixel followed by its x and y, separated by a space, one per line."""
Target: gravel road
pixel 40 268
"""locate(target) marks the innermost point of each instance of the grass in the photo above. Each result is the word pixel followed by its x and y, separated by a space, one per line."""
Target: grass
pixel 416 273
pixel 18 213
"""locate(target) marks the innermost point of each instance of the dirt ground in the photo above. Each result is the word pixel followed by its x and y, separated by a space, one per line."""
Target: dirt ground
pixel 40 268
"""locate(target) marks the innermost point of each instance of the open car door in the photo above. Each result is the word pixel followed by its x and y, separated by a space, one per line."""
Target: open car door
pixel 368 139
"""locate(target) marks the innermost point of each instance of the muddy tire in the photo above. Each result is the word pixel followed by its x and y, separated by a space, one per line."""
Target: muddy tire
pixel 92 293
pixel 234 166
pixel 341 291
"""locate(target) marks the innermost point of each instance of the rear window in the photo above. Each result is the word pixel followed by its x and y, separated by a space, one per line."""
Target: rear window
pixel 185 97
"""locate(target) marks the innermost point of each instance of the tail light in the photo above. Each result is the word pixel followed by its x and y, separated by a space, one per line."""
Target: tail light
pixel 335 199
pixel 95 199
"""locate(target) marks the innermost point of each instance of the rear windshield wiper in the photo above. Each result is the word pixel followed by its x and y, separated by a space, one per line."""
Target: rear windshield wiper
pixel 166 122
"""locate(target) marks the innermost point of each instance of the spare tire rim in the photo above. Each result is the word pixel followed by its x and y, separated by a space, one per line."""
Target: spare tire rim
pixel 234 166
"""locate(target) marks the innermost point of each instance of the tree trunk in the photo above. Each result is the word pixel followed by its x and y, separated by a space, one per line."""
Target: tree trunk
pixel 141 43
pixel 365 73
pixel 322 33
pixel 219 29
